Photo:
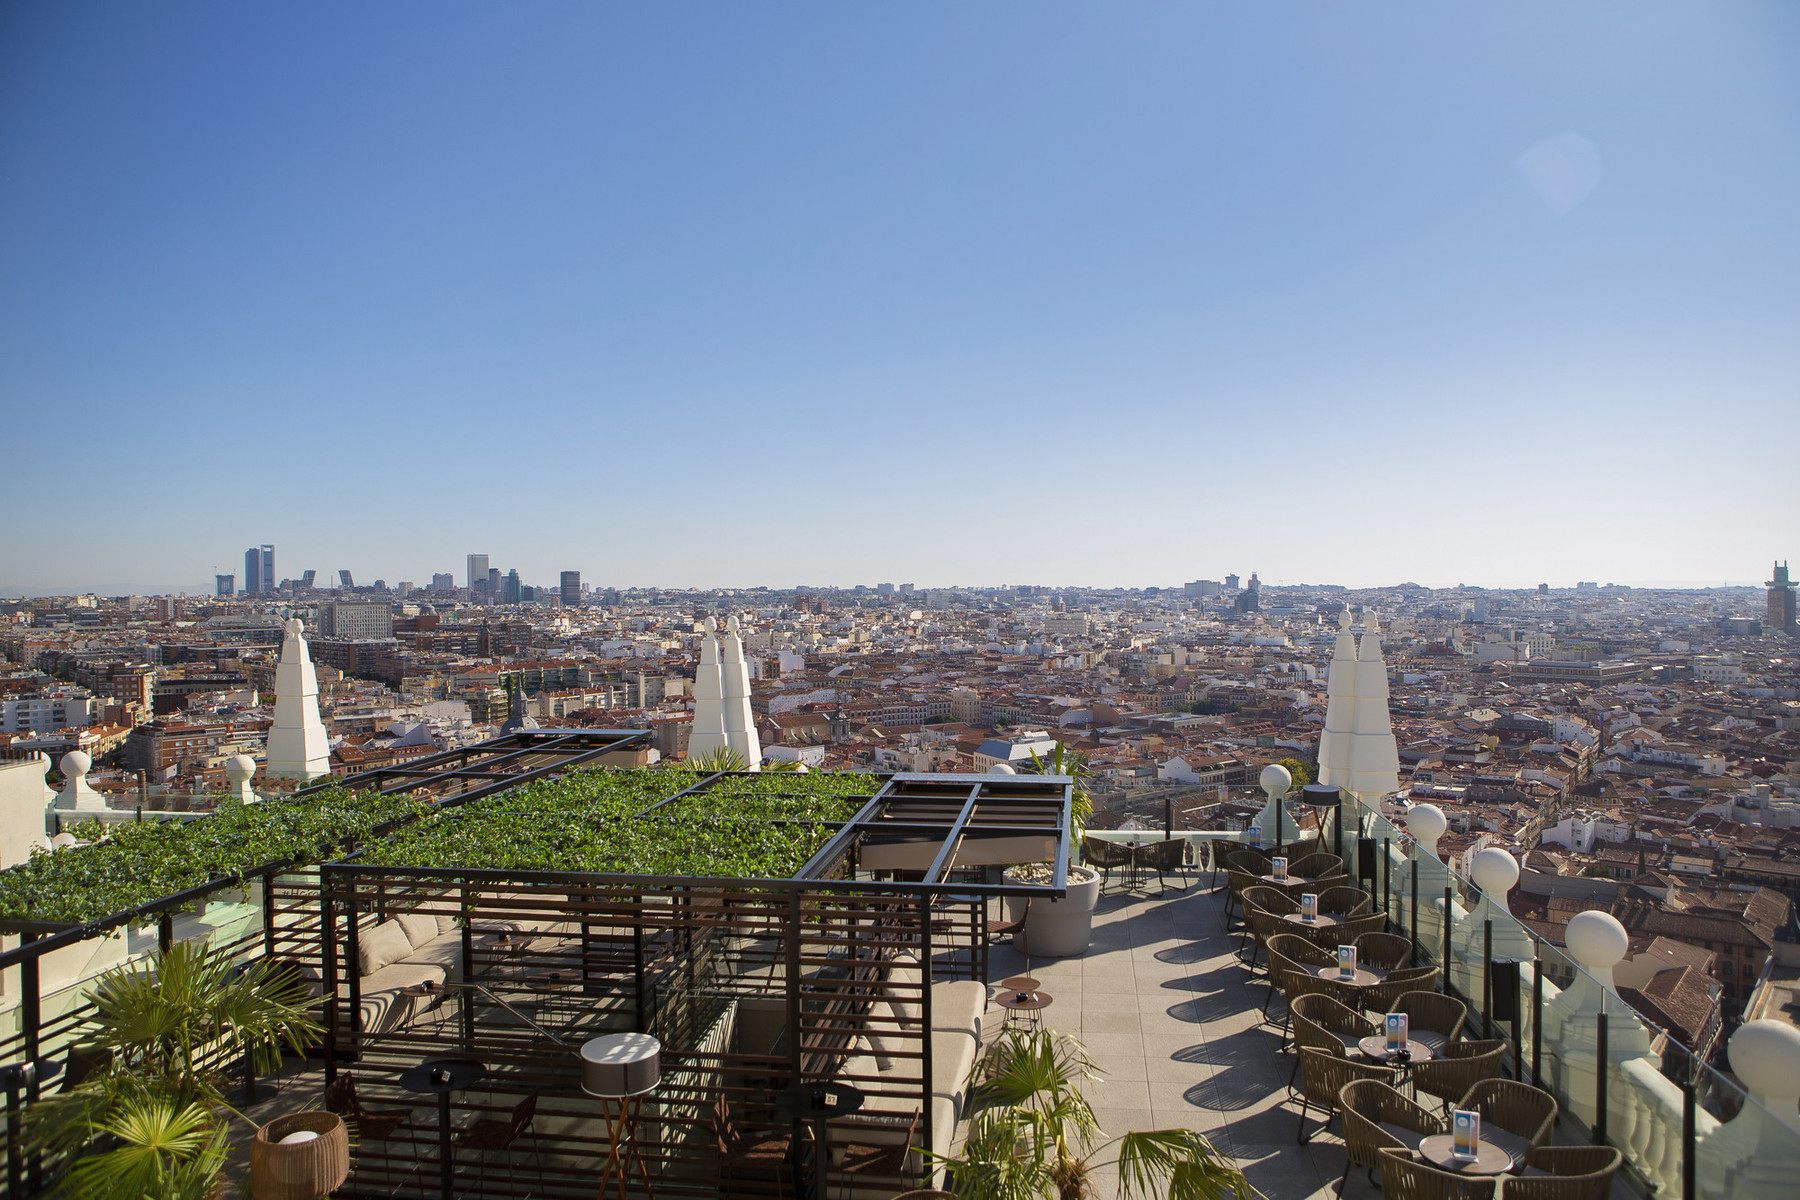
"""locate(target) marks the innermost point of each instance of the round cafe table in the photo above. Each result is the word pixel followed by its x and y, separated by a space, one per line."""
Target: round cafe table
pixel 1375 1049
pixel 1289 880
pixel 817 1103
pixel 441 1076
pixel 1489 1160
pixel 1019 983
pixel 1322 921
pixel 1362 979
pixel 1026 1006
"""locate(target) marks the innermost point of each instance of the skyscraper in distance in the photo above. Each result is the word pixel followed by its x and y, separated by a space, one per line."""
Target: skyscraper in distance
pixel 571 588
pixel 268 569
pixel 225 585
pixel 512 587
pixel 1780 619
pixel 252 572
pixel 478 572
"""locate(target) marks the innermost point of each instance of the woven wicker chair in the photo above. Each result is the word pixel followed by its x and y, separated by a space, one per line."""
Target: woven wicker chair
pixel 1514 1116
pixel 1322 1076
pixel 1320 864
pixel 1096 852
pixel 1404 1177
pixel 1236 884
pixel 1382 996
pixel 1249 860
pixel 1290 956
pixel 1167 857
pixel 1377 1116
pixel 1383 951
pixel 1269 900
pixel 1345 901
pixel 1323 1023
pixel 1450 1074
pixel 1434 1019
pixel 1566 1173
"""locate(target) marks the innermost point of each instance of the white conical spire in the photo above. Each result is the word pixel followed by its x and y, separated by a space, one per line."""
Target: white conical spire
pixel 708 733
pixel 297 748
pixel 1340 706
pixel 1374 759
pixel 740 724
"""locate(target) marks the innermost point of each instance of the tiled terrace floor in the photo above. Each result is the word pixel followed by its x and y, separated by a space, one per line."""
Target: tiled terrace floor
pixel 1174 1022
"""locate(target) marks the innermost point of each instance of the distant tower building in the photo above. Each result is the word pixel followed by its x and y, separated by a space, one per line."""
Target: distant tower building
pixel 571 588
pixel 1231 582
pixel 513 595
pixel 252 572
pixel 1781 603
pixel 1543 589
pixel 443 581
pixel 307 577
pixel 493 585
pixel 268 570
pixel 478 574
pixel 225 585
pixel 345 580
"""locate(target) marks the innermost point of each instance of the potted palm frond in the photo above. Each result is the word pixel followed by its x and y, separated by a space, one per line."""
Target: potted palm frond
pixel 1034 1136
pixel 1060 927
pixel 150 1120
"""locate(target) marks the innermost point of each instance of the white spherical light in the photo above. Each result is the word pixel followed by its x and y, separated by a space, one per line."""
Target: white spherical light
pixel 1495 872
pixel 239 767
pixel 1001 769
pixel 1426 822
pixel 1596 940
pixel 76 762
pixel 293 626
pixel 1766 1056
pixel 1275 780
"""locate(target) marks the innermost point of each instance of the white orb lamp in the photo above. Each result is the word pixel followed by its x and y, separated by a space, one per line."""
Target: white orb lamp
pixel 1276 781
pixel 239 768
pixel 1495 872
pixel 1001 769
pixel 1597 942
pixel 1426 823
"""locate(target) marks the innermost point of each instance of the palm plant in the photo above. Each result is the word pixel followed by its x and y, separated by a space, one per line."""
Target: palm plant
pixel 1074 764
pixel 1035 1136
pixel 720 758
pixel 167 1029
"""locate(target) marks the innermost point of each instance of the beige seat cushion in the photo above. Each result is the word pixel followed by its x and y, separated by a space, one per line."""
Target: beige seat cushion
pixel 380 946
pixel 443 952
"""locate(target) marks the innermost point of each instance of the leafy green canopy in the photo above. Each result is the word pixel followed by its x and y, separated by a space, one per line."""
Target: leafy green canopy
pixel 138 863
pixel 755 827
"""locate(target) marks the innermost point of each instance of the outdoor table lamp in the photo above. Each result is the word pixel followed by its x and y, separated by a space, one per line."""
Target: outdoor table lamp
pixel 622 1067
pixel 1322 796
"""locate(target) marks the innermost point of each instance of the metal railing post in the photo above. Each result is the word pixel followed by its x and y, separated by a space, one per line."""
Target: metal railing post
pixel 1487 978
pixel 1688 1122
pixel 1448 894
pixel 1537 1018
pixel 1600 1064
pixel 1413 873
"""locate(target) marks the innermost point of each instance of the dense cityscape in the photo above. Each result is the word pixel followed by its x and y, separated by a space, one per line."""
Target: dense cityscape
pixel 1634 748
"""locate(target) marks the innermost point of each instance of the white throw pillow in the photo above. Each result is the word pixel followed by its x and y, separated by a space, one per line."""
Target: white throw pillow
pixel 420 928
pixel 377 947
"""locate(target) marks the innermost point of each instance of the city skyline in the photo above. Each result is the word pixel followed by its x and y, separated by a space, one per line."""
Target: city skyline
pixel 1367 296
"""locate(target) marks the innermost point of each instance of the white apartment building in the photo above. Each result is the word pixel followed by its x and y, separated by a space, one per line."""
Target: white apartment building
pixel 47 714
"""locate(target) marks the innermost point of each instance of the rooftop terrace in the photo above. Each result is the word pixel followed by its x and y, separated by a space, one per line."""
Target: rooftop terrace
pixel 858 953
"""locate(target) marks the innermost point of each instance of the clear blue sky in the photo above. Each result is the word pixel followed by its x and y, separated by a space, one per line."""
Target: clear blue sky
pixel 737 294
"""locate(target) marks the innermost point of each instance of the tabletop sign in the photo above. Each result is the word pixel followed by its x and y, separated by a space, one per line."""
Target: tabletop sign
pixel 1465 1128
pixel 1396 1034
pixel 1279 867
pixel 1309 907
pixel 1346 962
pixel 1256 836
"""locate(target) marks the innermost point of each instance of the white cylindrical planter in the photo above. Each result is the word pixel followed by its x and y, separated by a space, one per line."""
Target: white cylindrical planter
pixel 1057 928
